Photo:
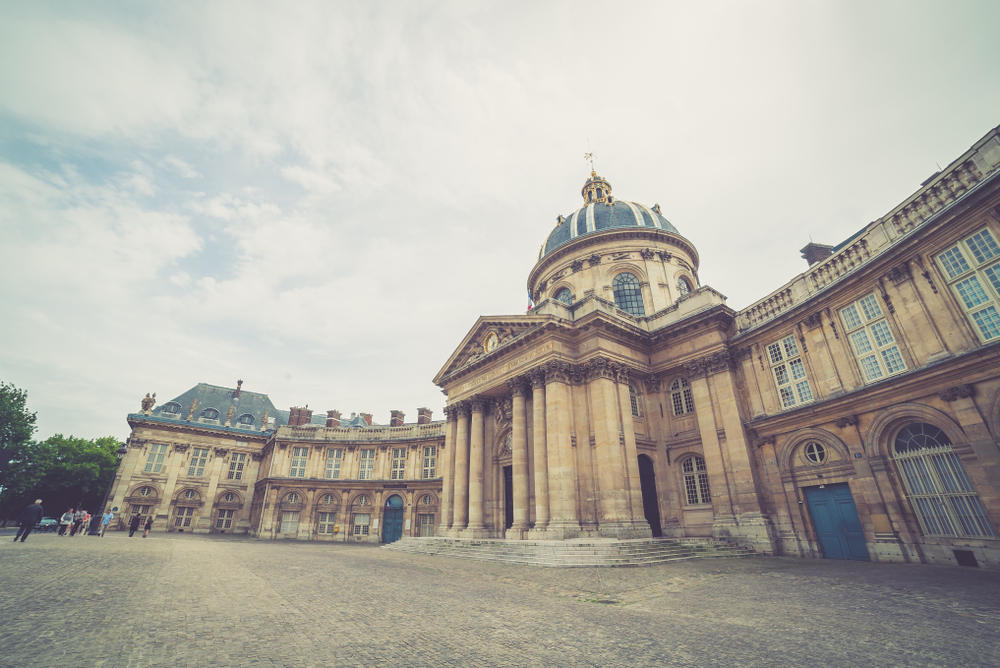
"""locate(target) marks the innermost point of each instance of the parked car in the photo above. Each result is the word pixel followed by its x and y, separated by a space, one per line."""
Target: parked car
pixel 47 524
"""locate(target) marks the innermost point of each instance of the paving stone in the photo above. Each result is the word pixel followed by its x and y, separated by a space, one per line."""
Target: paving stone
pixel 205 601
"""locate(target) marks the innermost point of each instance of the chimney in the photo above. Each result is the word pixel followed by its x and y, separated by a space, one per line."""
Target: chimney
pixel 333 418
pixel 424 415
pixel 367 417
pixel 814 253
pixel 299 416
pixel 396 418
pixel 239 384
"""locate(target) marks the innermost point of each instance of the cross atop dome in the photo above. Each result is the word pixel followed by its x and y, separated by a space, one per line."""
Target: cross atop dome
pixel 595 190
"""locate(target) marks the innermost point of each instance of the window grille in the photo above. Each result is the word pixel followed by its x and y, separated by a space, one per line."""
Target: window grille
pixel 974 275
pixel 696 481
pixel 326 522
pixel 145 491
pixel 680 397
pixel 398 463
pixel 292 498
pixel 361 522
pixel 941 494
pixel 565 296
pixel 361 500
pixel 189 494
pixel 682 286
pixel 333 459
pixel 236 465
pixel 299 456
pixel 815 453
pixel 426 526
pixel 789 372
pixel 289 521
pixel 224 520
pixel 157 454
pixel 633 398
pixel 367 465
pixel 430 462
pixel 427 500
pixel 184 516
pixel 199 457
pixel 871 339
pixel 628 294
pixel 229 497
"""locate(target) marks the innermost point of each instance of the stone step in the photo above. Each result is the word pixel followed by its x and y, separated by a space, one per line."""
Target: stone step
pixel 578 553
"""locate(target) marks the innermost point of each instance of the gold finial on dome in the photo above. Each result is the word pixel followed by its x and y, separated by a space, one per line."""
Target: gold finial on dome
pixel 596 190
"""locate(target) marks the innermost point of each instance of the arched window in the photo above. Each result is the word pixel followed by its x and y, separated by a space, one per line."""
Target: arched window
pixel 633 398
pixel 170 409
pixel 229 497
pixel 292 498
pixel 628 294
pixel 246 421
pixel 682 286
pixel 427 500
pixel 189 494
pixel 680 397
pixel 942 496
pixel 565 296
pixel 145 491
pixel 361 500
pixel 210 414
pixel 696 481
pixel 328 500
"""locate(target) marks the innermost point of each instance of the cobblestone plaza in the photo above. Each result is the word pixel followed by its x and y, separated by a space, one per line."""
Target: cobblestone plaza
pixel 186 600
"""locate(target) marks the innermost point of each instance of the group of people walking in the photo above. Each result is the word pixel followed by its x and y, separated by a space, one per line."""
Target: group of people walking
pixel 74 522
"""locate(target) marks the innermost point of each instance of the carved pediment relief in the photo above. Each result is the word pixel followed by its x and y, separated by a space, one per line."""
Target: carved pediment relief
pixel 478 340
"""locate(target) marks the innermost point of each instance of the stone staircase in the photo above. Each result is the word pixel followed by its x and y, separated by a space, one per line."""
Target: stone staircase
pixel 606 552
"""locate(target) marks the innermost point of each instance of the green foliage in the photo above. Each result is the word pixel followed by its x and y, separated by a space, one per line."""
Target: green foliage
pixel 17 425
pixel 63 471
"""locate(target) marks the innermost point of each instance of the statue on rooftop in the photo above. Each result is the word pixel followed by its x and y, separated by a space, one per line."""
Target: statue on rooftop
pixel 148 402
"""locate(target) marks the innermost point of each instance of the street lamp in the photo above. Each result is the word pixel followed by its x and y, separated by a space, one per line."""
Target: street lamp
pixel 95 522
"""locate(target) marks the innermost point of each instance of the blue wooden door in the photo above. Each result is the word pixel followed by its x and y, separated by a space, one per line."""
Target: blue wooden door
pixel 837 524
pixel 392 520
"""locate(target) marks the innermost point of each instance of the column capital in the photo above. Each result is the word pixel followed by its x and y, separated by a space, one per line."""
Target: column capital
pixel 537 376
pixel 479 403
pixel 451 413
pixel 599 367
pixel 652 382
pixel 717 362
pixel 461 409
pixel 518 386
pixel 556 372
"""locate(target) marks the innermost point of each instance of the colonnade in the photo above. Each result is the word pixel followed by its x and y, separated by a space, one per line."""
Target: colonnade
pixel 556 436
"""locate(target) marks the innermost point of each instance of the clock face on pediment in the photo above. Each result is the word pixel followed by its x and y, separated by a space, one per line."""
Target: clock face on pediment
pixel 491 342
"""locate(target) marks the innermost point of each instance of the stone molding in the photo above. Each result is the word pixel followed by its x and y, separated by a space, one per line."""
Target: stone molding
pixel 846 421
pixel 537 377
pixel 652 383
pixel 518 386
pixel 822 436
pixel 478 404
pixel 221 452
pixel 957 392
pixel 887 421
pixel 710 365
pixel 899 274
pixel 556 372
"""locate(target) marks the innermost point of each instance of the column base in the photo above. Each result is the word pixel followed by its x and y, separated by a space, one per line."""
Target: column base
pixel 624 529
pixel 474 532
pixel 562 531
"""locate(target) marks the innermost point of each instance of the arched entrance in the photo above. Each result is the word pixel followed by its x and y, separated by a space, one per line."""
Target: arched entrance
pixel 650 504
pixel 392 520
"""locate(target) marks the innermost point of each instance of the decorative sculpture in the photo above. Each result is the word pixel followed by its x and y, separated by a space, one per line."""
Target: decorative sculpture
pixel 148 402
pixel 194 405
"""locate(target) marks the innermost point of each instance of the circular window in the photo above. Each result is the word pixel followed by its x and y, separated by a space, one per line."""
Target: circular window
pixel 145 491
pixel 328 499
pixel 426 500
pixel 229 498
pixel 362 500
pixel 565 296
pixel 292 498
pixel 189 494
pixel 815 453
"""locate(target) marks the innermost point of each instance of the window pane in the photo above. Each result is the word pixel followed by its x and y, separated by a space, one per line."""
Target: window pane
pixel 870 308
pixel 983 246
pixel 893 360
pixel 988 322
pixel 703 488
pixel 774 352
pixel 869 366
pixel 691 486
pixel 791 349
pixel 787 398
pixel 993 273
pixel 883 336
pixel 628 294
pixel 971 292
pixel 850 316
pixel 861 343
pixel 805 394
pixel 798 369
pixel 953 262
pixel 781 374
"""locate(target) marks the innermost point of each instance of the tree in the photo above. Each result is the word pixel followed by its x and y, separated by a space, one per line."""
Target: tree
pixel 63 471
pixel 17 425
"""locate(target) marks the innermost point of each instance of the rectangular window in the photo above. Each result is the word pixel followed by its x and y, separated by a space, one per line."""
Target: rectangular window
pixel 789 372
pixel 426 526
pixel 326 522
pixel 199 457
pixel 871 339
pixel 333 459
pixel 183 518
pixel 973 270
pixel 157 453
pixel 236 466
pixel 367 465
pixel 290 521
pixel 361 522
pixel 398 463
pixel 430 462
pixel 298 469
pixel 225 519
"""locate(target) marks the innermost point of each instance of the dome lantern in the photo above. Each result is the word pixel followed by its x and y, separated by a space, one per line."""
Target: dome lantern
pixel 595 190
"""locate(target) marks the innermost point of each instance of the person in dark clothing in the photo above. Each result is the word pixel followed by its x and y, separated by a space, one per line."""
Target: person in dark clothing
pixel 28 519
pixel 149 525
pixel 133 525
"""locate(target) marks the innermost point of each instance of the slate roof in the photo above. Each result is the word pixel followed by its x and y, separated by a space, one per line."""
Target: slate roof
pixel 208 396
pixel 599 217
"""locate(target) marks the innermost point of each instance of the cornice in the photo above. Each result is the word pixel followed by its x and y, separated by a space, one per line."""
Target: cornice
pixel 135 419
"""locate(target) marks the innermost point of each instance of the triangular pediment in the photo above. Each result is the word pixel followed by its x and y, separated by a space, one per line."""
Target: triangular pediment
pixel 474 346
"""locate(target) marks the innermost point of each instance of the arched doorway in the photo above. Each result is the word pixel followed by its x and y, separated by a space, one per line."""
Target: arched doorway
pixel 392 520
pixel 650 504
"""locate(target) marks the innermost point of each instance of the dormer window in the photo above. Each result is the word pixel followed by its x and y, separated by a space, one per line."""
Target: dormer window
pixel 170 409
pixel 210 415
pixel 246 421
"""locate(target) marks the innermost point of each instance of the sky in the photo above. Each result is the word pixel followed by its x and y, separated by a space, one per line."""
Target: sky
pixel 321 198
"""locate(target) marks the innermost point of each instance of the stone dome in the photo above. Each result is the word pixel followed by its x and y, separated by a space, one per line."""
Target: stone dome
pixel 602 212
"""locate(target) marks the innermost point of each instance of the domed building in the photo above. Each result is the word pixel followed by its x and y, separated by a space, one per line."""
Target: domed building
pixel 853 413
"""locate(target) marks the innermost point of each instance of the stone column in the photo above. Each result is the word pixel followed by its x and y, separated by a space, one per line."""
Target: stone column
pixel 610 467
pixel 541 463
pixel 477 435
pixel 447 460
pixel 718 481
pixel 519 457
pixel 206 520
pixel 633 486
pixel 564 522
pixel 460 501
